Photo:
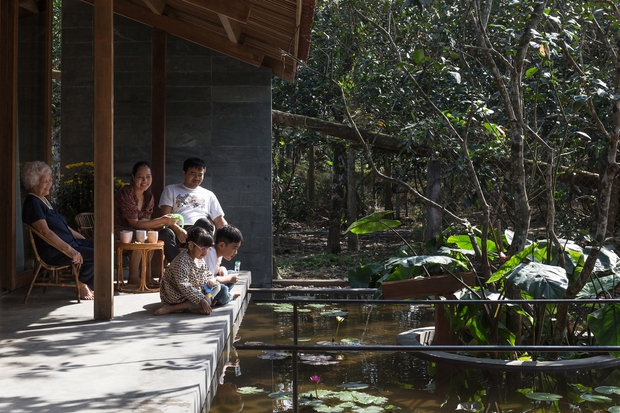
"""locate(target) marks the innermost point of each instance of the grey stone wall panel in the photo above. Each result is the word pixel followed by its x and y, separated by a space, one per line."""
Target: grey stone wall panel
pixel 217 108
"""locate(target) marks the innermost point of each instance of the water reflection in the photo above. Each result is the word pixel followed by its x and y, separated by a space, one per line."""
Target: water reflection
pixel 357 380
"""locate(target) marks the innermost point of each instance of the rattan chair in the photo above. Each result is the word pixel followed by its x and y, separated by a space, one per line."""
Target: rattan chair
pixel 51 275
pixel 86 224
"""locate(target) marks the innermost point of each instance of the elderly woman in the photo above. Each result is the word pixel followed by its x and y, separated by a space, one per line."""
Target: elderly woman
pixel 133 207
pixel 41 214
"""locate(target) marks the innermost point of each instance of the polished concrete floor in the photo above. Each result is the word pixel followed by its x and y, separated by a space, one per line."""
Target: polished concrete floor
pixel 54 357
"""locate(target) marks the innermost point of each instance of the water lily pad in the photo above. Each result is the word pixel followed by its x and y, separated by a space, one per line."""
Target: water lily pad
pixel 335 313
pixel 317 359
pixel 614 409
pixel 300 339
pixel 312 402
pixel 368 409
pixel 325 408
pixel 283 308
pixel 251 390
pixel 355 385
pixel 544 397
pixel 254 343
pixel 281 395
pixel 608 389
pixel 274 355
pixel 312 394
pixel 595 398
pixel 316 305
pixel 351 341
pixel 360 397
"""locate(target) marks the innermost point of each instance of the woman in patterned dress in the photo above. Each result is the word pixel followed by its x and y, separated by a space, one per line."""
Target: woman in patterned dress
pixel 133 207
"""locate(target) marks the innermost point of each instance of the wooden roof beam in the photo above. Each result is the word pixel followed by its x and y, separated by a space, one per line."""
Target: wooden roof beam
pixel 30 5
pixel 187 31
pixel 156 6
pixel 232 28
pixel 238 10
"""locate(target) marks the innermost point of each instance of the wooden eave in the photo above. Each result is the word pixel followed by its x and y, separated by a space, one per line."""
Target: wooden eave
pixel 258 32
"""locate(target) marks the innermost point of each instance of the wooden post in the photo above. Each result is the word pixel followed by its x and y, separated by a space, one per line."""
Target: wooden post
pixel 158 110
pixel 49 13
pixel 104 158
pixel 9 13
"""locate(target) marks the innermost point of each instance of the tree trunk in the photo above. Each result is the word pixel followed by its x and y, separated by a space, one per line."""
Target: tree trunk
pixel 352 240
pixel 387 191
pixel 433 192
pixel 311 182
pixel 337 198
pixel 613 206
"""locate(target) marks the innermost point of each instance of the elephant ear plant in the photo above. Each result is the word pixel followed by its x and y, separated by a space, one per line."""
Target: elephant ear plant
pixel 539 272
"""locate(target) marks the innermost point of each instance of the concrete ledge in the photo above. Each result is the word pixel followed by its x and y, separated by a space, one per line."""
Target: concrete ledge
pixel 424 336
pixel 56 358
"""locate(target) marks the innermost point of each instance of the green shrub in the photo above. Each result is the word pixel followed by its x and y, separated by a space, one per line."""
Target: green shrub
pixel 75 191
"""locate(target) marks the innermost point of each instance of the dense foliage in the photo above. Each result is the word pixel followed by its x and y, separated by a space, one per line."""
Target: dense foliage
pixel 404 65
pixel 516 100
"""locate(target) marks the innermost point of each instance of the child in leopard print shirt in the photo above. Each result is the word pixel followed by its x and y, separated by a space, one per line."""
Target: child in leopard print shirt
pixel 182 287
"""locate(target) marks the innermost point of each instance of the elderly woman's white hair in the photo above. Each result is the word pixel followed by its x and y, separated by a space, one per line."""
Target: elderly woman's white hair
pixel 32 172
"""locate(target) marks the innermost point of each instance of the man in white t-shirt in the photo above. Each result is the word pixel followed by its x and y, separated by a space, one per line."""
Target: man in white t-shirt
pixel 197 205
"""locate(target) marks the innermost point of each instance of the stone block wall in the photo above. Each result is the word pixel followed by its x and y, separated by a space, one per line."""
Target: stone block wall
pixel 218 109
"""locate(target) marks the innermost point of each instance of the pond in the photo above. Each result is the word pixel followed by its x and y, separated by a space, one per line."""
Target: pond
pixel 261 381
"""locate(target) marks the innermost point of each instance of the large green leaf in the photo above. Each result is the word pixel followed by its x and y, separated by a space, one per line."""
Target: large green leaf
pixel 360 277
pixel 464 242
pixel 605 325
pixel 373 223
pixel 597 285
pixel 540 280
pixel 433 263
pixel 511 264
pixel 607 259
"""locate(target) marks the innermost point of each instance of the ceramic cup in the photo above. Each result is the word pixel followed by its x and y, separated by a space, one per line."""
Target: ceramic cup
pixel 140 235
pixel 152 237
pixel 126 236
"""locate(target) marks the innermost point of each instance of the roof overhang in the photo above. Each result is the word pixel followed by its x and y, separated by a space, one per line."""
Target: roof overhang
pixel 271 33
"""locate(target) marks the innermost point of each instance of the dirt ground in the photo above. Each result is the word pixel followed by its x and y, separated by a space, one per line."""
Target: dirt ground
pixel 307 252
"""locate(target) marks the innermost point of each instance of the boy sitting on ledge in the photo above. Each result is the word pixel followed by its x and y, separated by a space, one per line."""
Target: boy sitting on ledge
pixel 188 284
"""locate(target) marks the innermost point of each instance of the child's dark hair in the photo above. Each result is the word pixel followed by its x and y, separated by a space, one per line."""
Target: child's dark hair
pixel 228 234
pixel 200 237
pixel 194 163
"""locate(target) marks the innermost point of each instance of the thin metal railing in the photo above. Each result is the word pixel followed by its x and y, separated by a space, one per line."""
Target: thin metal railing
pixel 295 347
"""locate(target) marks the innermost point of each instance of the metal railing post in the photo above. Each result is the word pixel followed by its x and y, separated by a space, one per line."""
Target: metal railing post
pixel 295 390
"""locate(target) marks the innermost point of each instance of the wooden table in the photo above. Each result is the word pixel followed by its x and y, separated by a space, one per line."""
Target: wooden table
pixel 147 250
